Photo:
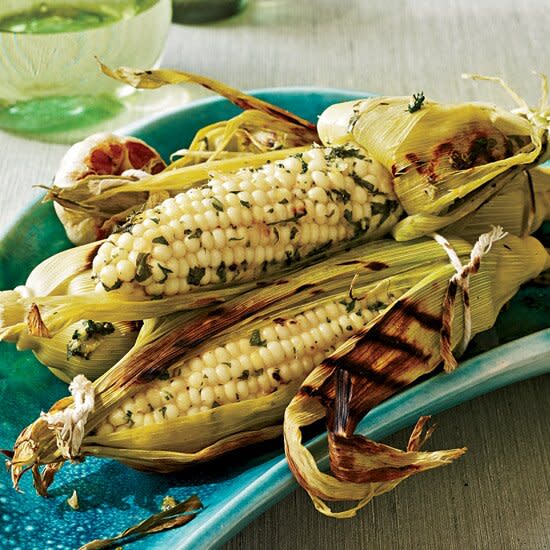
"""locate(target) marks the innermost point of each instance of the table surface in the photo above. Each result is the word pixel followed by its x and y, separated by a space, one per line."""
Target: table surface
pixel 497 496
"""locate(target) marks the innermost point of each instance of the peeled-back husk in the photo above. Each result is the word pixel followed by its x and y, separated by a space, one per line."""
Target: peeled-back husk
pixel 383 266
pixel 392 352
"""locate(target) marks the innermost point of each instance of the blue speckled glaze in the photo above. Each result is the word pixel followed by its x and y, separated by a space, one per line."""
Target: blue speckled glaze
pixel 237 489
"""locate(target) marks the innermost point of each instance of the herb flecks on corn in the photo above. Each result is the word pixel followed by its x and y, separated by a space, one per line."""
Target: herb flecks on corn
pixel 237 225
pixel 280 352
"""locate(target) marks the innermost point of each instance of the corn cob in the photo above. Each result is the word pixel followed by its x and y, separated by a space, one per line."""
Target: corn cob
pixel 405 342
pixel 219 382
pixel 237 226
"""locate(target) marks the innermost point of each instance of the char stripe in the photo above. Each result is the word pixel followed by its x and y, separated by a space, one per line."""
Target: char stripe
pixel 427 320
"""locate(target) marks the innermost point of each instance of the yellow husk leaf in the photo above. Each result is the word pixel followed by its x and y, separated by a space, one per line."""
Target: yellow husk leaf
pixel 370 469
pixel 252 132
pixel 384 267
pixel 520 207
pixel 161 77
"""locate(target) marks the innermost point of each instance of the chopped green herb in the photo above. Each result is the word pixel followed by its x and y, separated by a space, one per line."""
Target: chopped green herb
pixel 195 275
pixel 343 152
pixel 418 100
pixel 221 272
pixel 384 208
pixel 160 240
pixel 245 375
pixel 155 220
pixel 256 339
pixel 97 329
pixel 364 183
pixel 117 284
pixel 165 272
pixel 143 269
pixel 245 204
pixel 129 418
pixel 216 203
pixel 283 201
pixel 341 195
pixel 196 234
pixel 294 218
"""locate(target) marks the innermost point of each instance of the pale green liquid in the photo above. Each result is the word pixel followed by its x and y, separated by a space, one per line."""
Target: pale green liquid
pixel 47 19
pixel 49 78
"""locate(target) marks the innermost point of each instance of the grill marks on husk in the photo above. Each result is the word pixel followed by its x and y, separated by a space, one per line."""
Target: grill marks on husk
pixel 382 362
pixel 463 152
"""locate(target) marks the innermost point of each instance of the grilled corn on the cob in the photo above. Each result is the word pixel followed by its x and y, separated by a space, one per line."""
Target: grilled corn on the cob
pixel 238 225
pixel 405 342
pixel 204 393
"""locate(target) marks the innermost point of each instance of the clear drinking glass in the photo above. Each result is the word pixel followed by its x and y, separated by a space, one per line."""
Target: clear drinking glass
pixel 49 78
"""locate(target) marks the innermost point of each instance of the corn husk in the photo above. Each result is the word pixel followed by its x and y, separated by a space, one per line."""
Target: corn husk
pixel 161 77
pixel 397 348
pixel 520 207
pixel 447 160
pixel 92 357
pixel 251 132
pixel 382 267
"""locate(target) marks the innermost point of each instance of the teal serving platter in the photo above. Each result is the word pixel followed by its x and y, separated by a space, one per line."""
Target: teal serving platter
pixel 237 489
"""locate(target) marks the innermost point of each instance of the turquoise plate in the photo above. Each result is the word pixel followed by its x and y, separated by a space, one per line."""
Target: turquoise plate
pixel 242 486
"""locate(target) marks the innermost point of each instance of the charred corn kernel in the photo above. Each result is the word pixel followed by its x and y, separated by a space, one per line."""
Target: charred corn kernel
pixel 237 225
pixel 247 368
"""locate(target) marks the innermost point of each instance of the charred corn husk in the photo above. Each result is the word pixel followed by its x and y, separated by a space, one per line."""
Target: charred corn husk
pixel 222 379
pixel 446 160
pixel 237 227
pixel 405 342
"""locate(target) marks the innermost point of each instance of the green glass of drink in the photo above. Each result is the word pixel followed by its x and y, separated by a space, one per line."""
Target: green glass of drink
pixel 50 81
